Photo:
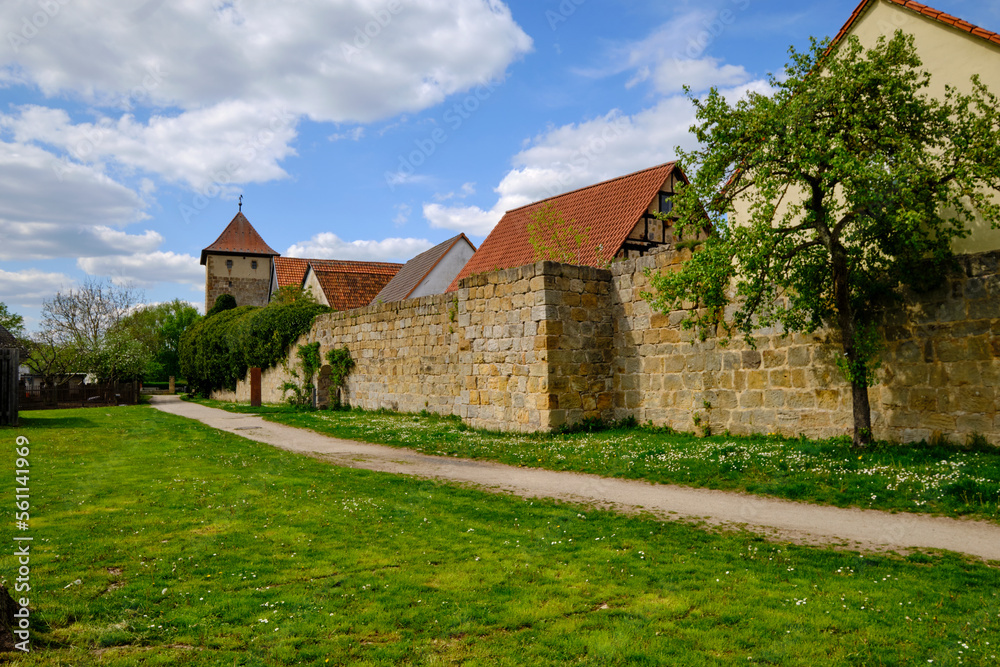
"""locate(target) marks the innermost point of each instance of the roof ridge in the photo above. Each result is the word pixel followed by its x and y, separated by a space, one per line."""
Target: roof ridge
pixel 672 163
pixel 923 10
pixel 346 263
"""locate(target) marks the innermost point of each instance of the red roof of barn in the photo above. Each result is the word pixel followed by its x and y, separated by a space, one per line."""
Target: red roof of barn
pixel 349 284
pixel 609 210
pixel 923 10
pixel 239 238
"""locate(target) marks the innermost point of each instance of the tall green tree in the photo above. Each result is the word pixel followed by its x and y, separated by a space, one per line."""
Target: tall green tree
pixel 159 328
pixel 855 182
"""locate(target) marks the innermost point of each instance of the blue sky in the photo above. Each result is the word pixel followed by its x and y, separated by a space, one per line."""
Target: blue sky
pixel 355 129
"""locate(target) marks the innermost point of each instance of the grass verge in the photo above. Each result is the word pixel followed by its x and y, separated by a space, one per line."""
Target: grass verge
pixel 161 541
pixel 925 478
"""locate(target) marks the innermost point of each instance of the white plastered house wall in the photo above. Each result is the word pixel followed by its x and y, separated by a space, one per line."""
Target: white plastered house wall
pixel 951 56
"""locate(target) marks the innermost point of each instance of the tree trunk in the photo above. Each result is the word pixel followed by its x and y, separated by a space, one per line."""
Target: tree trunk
pixel 862 415
pixel 848 331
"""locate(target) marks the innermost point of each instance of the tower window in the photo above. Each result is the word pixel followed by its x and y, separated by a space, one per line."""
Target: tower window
pixel 229 264
pixel 253 265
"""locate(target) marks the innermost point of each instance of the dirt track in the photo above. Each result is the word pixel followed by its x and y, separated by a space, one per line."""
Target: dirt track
pixel 865 530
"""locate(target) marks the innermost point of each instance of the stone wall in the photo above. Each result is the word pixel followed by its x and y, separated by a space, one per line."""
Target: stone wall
pixel 482 353
pixel 547 344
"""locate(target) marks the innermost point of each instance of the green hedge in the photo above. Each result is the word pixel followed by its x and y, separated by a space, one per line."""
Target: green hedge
pixel 217 351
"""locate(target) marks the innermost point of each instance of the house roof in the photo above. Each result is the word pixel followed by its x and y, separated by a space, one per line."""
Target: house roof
pixel 7 339
pixel 923 10
pixel 348 284
pixel 608 211
pixel 239 238
pixel 290 270
pixel 416 270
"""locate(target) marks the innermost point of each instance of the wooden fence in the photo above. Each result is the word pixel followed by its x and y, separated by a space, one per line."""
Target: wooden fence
pixel 80 395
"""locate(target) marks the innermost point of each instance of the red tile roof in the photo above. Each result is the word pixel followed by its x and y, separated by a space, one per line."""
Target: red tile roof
pixel 239 238
pixel 418 268
pixel 349 284
pixel 609 210
pixel 290 270
pixel 923 10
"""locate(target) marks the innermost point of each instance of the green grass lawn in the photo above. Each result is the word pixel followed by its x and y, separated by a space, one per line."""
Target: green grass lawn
pixel 939 478
pixel 161 541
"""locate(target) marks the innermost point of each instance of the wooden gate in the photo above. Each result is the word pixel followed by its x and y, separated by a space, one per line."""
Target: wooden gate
pixel 9 391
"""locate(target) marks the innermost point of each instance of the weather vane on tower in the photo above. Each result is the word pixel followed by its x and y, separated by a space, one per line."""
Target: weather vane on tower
pixel 241 203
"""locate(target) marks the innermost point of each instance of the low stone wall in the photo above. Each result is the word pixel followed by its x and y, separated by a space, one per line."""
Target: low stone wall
pixel 547 344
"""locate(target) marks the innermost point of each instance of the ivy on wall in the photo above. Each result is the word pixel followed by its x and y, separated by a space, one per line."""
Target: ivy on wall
pixel 216 352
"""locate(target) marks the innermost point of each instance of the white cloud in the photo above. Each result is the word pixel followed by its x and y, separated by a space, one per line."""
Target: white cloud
pixel 467 190
pixel 55 208
pixel 672 75
pixel 311 57
pixel 146 269
pixel 403 212
pixel 581 154
pixel 468 219
pixel 673 56
pixel 229 82
pixel 356 134
pixel 31 179
pixel 330 246
pixel 29 288
pixel 232 142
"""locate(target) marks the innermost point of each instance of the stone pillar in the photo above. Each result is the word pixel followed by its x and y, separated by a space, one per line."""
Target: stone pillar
pixel 173 385
pixel 255 388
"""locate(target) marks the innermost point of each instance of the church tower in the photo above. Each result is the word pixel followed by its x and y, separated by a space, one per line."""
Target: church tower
pixel 238 263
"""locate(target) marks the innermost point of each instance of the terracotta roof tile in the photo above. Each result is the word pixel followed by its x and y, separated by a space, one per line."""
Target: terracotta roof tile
pixel 349 284
pixel 415 270
pixel 610 210
pixel 239 238
pixel 929 12
pixel 290 270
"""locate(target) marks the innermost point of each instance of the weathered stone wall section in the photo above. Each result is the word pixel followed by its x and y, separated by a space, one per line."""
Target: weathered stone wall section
pixel 573 312
pixel 666 375
pixel 533 348
pixel 941 366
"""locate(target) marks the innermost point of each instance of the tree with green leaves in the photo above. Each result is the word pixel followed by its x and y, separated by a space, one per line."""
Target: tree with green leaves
pixel 159 327
pixel 119 358
pixel 293 294
pixel 554 238
pixel 12 322
pixel 853 181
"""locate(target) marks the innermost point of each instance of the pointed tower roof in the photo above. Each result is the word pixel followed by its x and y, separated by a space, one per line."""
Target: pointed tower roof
pixel 239 238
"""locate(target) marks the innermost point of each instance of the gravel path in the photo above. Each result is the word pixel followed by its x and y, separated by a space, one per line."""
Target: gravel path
pixel 866 530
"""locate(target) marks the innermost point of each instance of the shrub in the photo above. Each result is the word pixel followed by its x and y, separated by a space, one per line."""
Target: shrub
pixel 309 362
pixel 218 350
pixel 210 354
pixel 222 303
pixel 341 365
pixel 265 337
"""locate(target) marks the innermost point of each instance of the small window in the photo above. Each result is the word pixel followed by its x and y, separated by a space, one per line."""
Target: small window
pixel 253 265
pixel 666 203
pixel 229 264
